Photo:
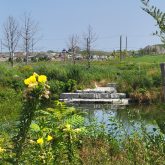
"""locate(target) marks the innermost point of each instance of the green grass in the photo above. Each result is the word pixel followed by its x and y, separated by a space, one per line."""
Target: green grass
pixel 149 59
pixel 135 76
pixel 10 104
pixel 139 77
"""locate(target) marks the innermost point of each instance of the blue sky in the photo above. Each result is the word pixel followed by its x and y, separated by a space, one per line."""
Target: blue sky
pixel 59 19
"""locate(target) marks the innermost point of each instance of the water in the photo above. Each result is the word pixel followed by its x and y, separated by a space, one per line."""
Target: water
pixel 121 120
pixel 118 120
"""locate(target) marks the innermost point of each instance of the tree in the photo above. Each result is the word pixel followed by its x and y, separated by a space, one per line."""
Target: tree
pixel 11 36
pixel 158 15
pixel 89 37
pixel 28 33
pixel 73 46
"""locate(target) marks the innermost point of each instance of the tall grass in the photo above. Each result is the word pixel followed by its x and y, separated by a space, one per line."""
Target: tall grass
pixel 95 145
pixel 136 76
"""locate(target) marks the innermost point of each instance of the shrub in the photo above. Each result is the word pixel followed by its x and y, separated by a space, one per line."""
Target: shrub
pixel 10 103
pixel 26 70
pixel 75 73
pixel 142 95
pixel 71 85
pixel 156 80
pixel 56 88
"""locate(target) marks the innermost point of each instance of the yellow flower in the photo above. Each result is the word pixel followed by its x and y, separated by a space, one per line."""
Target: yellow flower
pixel 27 81
pixel 2 150
pixel 49 138
pixel 77 130
pixel 35 74
pixel 32 85
pixel 30 80
pixel 40 141
pixel 42 79
pixel 31 141
pixel 67 127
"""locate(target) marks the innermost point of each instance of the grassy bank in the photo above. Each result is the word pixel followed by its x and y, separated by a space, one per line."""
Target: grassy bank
pixel 134 74
pixel 56 134
pixel 138 77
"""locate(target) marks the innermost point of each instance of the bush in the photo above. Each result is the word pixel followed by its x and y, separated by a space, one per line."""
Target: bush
pixel 10 103
pixel 157 80
pixel 56 87
pixel 19 59
pixel 71 85
pixel 25 70
pixel 75 73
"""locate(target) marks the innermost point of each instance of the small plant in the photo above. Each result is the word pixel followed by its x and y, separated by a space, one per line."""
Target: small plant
pixel 71 85
pixel 56 134
pixel 49 135
pixel 37 90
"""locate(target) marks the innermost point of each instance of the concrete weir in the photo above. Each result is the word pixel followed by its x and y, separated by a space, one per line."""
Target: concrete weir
pixel 97 95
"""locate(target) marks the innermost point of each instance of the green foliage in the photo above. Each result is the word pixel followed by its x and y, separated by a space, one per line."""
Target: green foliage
pixel 130 74
pixel 57 129
pixel 157 82
pixel 63 126
pixel 10 103
pixel 60 135
pixel 26 70
pixel 34 127
pixel 56 87
pixel 75 141
pixel 75 73
pixel 158 15
pixel 71 85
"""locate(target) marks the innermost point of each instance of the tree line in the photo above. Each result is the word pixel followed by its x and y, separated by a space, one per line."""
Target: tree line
pixel 26 33
pixel 14 32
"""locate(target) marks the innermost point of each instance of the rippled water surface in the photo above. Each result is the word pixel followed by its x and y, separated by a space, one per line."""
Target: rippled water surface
pixel 129 119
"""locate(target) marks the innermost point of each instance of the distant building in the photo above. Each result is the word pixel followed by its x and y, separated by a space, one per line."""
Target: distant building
pixel 153 49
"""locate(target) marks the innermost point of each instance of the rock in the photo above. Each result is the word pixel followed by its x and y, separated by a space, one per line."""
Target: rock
pixel 122 95
pixel 97 95
pixel 69 95
pixel 114 85
pixel 98 90
pixel 86 95
pixel 115 96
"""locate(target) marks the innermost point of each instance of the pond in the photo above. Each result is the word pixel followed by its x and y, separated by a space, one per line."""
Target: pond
pixel 121 120
pixel 118 120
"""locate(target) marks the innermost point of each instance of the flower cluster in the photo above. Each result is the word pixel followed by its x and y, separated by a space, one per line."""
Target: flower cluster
pixel 37 86
pixel 41 140
pixel 68 128
pixel 2 150
pixel 35 80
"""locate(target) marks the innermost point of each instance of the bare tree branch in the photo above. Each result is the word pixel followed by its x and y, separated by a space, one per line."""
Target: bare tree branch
pixel 73 46
pixel 28 34
pixel 89 37
pixel 11 36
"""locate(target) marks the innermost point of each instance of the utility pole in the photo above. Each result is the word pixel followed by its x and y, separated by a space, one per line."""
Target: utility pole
pixel 120 47
pixel 126 44
pixel 32 45
pixel 88 52
pixel 162 67
pixel 125 52
pixel 1 46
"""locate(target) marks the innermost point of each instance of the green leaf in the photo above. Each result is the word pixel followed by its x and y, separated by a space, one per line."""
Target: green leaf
pixel 35 127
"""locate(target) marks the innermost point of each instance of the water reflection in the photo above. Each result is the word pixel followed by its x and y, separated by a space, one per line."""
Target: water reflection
pixel 131 119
